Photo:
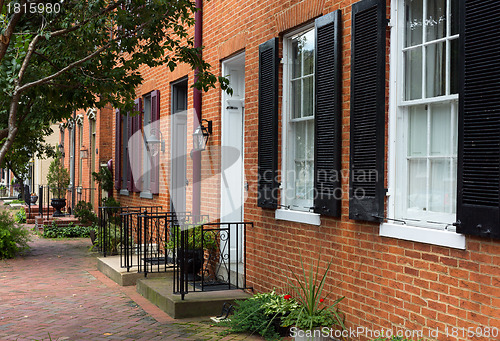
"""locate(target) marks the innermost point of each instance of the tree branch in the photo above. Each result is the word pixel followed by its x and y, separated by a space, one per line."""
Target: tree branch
pixel 5 38
pixel 31 49
pixel 63 70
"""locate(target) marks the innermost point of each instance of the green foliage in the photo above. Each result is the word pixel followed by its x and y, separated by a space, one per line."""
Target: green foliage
pixel 70 231
pixel 83 211
pixel 196 239
pixel 314 310
pixel 104 178
pixel 20 216
pixel 250 316
pixel 16 201
pixel 13 238
pixel 110 202
pixel 276 304
pixel 111 240
pixel 58 178
pixel 91 47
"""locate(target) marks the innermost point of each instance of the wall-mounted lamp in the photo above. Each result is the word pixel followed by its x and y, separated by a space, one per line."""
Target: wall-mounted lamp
pixel 201 135
pixel 84 153
pixel 153 140
pixel 61 149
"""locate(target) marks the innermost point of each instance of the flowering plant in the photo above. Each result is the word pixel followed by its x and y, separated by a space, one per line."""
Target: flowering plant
pixel 313 310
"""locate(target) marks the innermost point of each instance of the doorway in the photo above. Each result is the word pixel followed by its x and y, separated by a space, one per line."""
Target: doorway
pixel 232 156
pixel 178 181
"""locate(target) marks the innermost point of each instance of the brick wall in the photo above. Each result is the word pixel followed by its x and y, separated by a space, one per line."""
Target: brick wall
pixel 387 283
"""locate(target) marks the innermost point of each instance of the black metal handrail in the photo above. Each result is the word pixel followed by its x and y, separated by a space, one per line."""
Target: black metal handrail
pixel 72 194
pixel 222 249
pixel 154 248
pixel 111 237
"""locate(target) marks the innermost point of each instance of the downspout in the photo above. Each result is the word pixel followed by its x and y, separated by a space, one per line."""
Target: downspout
pixel 198 40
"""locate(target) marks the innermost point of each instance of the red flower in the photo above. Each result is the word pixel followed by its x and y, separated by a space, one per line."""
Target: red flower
pixel 321 300
pixel 287 297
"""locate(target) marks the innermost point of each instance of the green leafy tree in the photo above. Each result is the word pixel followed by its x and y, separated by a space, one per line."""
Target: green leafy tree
pixel 86 54
pixel 58 178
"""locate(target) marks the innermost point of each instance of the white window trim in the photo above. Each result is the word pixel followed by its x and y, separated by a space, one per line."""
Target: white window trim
pixel 414 233
pixel 124 192
pixel 285 214
pixel 423 235
pixel 298 216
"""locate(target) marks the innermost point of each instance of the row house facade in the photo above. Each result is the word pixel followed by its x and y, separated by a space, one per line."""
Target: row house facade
pixel 362 132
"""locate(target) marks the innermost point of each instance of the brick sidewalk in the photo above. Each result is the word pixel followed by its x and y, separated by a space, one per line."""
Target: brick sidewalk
pixel 56 289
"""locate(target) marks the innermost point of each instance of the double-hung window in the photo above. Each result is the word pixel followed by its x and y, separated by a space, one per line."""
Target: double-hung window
pixel 146 176
pixel 298 118
pixel 424 115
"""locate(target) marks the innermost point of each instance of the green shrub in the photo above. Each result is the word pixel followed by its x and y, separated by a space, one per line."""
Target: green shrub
pixel 70 231
pixel 20 216
pixel 83 211
pixel 259 314
pixel 111 241
pixel 13 238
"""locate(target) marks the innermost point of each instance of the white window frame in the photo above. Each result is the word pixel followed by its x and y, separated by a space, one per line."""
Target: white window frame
pixel 424 232
pixel 286 212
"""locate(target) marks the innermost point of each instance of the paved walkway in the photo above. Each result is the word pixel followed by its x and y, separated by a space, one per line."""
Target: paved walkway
pixel 55 290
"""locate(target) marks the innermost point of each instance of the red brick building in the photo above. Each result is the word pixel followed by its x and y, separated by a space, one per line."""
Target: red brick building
pixel 365 132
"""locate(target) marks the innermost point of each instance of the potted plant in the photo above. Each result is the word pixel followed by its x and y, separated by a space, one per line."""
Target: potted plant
pixel 33 198
pixel 196 240
pixel 3 191
pixel 58 182
pixel 314 311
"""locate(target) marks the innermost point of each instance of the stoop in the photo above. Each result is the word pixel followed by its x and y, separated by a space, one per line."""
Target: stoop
pixel 159 291
pixel 110 266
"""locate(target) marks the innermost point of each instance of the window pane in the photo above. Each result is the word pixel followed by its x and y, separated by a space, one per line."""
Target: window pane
pixel 417 177
pixel 455 18
pixel 436 19
pixel 435 70
pixel 296 92
pixel 440 129
pixel 417 131
pixel 309 153
pixel 300 140
pixel 454 46
pixel 308 52
pixel 296 59
pixel 413 74
pixel 440 185
pixel 308 97
pixel 414 15
pixel 300 180
pixel 310 180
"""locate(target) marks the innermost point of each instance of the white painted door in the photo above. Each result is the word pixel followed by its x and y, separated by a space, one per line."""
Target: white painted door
pixel 232 175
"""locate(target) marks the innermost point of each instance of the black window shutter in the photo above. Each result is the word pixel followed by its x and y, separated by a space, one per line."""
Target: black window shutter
pixel 118 150
pixel 268 124
pixel 478 180
pixel 130 132
pixel 366 174
pixel 328 116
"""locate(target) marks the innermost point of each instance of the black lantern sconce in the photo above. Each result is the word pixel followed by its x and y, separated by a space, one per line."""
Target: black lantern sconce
pixel 201 135
pixel 61 149
pixel 153 140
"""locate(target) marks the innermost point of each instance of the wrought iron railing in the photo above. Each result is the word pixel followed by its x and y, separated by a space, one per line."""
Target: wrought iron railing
pixel 112 237
pixel 210 256
pixel 72 195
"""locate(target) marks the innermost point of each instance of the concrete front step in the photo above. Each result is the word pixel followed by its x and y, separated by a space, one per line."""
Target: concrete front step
pixel 159 291
pixel 110 266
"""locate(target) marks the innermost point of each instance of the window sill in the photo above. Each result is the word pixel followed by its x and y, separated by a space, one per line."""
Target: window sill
pixel 423 235
pixel 124 192
pixel 146 195
pixel 298 216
